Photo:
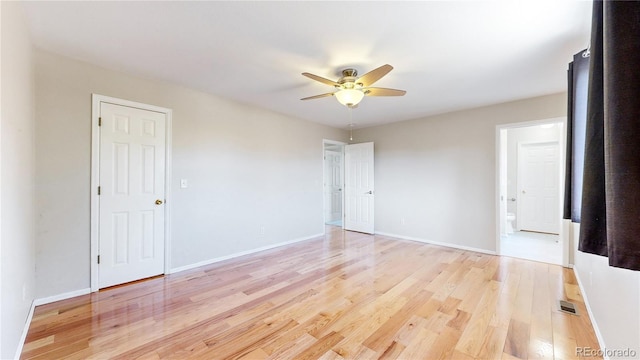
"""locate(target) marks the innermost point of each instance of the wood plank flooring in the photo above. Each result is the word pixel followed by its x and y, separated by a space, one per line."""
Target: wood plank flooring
pixel 344 296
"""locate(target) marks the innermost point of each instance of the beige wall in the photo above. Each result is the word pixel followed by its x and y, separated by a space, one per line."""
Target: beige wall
pixel 247 168
pixel 439 173
pixel 17 254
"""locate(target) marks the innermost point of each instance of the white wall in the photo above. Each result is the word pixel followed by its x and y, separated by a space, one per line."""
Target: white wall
pixel 17 254
pixel 613 295
pixel 247 168
pixel 439 173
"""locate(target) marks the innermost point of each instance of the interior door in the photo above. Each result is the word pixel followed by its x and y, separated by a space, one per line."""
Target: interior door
pixel 327 188
pixel 359 188
pixel 538 193
pixel 132 189
pixel 334 184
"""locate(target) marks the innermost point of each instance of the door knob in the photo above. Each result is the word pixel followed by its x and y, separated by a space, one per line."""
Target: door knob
pixel 369 192
pixel 158 202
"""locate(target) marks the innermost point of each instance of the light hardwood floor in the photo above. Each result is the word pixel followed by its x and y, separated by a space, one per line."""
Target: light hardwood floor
pixel 348 295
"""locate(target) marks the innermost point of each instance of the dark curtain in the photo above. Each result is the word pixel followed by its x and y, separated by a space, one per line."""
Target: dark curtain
pixel 622 131
pixel 578 81
pixel 593 237
pixel 610 211
pixel 568 174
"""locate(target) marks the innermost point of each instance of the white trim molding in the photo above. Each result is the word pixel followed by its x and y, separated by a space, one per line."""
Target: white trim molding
pixel 95 178
pixel 561 159
pixel 42 301
pixel 342 145
pixel 25 331
pixel 438 243
pixel 242 253
pixel 59 297
pixel 591 317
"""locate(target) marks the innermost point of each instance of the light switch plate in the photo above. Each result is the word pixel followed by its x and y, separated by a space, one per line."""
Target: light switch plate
pixel 183 183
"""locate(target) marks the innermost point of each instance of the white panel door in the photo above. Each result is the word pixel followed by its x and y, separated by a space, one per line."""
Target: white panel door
pixel 359 188
pixel 132 173
pixel 327 188
pixel 334 184
pixel 538 192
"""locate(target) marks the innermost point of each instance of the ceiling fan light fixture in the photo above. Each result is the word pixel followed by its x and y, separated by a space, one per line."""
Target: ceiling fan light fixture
pixel 349 97
pixel 350 89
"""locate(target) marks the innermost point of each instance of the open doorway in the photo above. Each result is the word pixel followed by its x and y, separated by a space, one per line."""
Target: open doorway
pixel 531 178
pixel 333 182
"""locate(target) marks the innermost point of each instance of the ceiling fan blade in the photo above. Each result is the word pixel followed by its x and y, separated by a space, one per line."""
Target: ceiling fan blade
pixel 374 91
pixel 374 75
pixel 317 96
pixel 320 79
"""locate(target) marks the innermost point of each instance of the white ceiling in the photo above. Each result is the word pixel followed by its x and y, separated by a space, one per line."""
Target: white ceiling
pixel 448 55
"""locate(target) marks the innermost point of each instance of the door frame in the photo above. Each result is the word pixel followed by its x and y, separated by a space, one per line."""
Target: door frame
pixel 519 147
pixel 341 144
pixel 564 235
pixel 96 100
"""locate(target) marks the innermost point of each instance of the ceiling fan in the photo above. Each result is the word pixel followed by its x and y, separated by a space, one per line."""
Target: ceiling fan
pixel 350 89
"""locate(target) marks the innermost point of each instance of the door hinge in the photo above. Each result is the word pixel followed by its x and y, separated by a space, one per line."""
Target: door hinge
pixel 100 121
pixel 98 190
pixel 98 259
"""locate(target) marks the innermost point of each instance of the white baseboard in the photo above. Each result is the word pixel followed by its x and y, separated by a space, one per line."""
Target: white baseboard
pixel 42 301
pixel 25 330
pixel 449 245
pixel 85 291
pixel 590 313
pixel 75 293
pixel 64 296
pixel 242 253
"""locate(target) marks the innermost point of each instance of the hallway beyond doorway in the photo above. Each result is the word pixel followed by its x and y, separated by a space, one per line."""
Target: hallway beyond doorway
pixel 532 246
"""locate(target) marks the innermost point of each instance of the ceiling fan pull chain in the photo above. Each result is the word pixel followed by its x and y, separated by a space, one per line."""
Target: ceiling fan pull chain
pixel 350 123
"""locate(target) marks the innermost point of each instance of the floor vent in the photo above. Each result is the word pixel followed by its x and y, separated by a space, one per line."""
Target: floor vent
pixel 568 307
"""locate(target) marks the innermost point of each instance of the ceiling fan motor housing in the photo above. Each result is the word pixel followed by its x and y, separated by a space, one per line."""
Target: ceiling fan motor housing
pixel 348 79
